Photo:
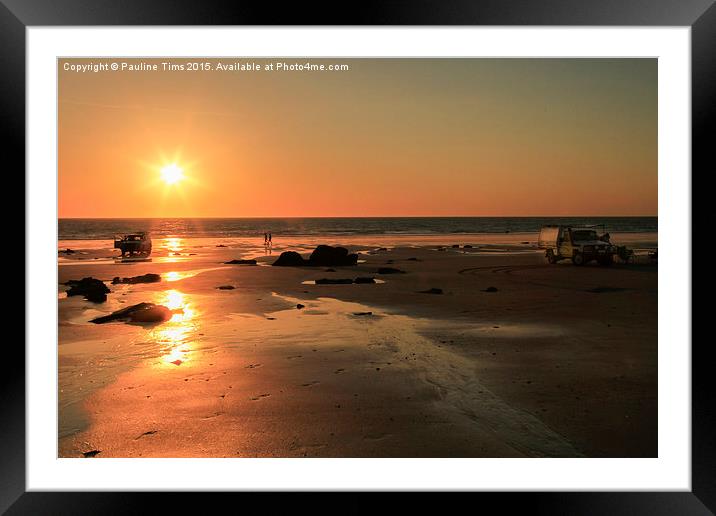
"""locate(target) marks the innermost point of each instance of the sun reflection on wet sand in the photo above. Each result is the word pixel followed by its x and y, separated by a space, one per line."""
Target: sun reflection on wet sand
pixel 172 276
pixel 180 275
pixel 175 336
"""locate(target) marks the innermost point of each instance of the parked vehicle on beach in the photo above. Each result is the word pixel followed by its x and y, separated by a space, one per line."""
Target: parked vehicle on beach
pixel 581 244
pixel 134 244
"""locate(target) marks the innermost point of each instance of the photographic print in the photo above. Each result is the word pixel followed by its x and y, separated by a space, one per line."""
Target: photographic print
pixel 357 257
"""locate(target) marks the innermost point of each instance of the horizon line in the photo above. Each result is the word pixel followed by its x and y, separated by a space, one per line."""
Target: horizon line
pixel 366 217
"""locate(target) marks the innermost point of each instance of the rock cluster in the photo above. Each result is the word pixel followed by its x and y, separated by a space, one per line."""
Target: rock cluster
pixel 322 256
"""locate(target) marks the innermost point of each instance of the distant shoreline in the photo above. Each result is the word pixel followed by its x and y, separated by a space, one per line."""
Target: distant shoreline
pixel 92 229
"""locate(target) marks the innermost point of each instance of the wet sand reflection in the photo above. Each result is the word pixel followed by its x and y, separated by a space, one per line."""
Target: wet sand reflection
pixel 176 336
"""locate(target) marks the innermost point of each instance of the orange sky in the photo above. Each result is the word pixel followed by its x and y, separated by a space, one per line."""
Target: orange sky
pixel 389 137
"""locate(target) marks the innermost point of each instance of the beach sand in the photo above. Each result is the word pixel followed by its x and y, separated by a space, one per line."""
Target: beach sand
pixel 560 361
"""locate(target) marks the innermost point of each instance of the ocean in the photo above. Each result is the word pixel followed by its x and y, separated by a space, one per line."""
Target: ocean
pixel 102 229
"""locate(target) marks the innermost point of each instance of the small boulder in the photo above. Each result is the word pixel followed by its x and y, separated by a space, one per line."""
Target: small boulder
pixel 241 262
pixel 362 313
pixel 92 289
pixel 490 289
pixel 144 278
pixel 329 281
pixel 467 246
pixel 289 259
pixel 390 270
pixel 156 313
pixel 300 306
pixel 432 291
pixel 226 287
pixel 141 312
pixel 362 280
pixel 456 246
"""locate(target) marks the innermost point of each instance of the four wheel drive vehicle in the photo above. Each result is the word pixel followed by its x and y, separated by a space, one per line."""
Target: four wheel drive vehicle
pixel 581 244
pixel 134 244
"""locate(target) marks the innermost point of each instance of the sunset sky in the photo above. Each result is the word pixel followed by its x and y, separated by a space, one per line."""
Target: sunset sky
pixel 389 137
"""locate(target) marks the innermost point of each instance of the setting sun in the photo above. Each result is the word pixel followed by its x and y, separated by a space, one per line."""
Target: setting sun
pixel 172 173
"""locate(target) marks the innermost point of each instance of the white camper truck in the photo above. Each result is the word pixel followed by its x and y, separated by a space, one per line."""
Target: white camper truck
pixel 581 244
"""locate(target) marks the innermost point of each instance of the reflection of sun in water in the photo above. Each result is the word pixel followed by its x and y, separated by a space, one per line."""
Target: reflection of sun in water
pixel 174 244
pixel 172 276
pixel 175 335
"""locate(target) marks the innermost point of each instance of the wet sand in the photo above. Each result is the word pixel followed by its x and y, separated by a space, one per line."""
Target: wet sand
pixel 560 361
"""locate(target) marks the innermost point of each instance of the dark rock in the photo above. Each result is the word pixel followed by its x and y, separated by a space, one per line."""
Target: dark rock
pixel 221 245
pixel 328 256
pixel 490 289
pixel 68 251
pixel 226 287
pixel 362 313
pixel 456 246
pixel 390 270
pixel 145 278
pixel 241 262
pixel 156 313
pixel 329 281
pixel 92 289
pixel 432 291
pixel 413 259
pixel 300 306
pixel 289 259
pixel 330 270
pixel 382 249
pixel 91 453
pixel 322 256
pixel 96 297
pixel 467 246
pixel 141 312
pixel 361 280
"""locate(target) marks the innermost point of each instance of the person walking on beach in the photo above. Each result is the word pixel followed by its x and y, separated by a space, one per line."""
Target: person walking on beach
pixel 270 243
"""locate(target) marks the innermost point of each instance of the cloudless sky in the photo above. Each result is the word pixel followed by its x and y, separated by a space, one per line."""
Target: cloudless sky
pixel 389 137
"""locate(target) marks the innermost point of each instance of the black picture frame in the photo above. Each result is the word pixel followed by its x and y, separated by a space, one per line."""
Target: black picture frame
pixel 700 15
